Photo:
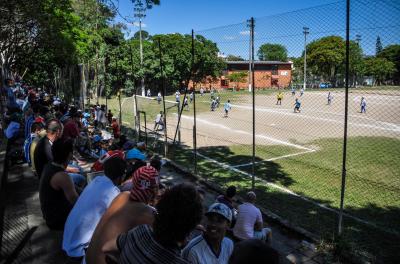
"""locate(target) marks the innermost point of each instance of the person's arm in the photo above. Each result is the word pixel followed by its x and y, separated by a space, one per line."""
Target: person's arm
pixel 62 180
pixel 110 249
pixel 259 222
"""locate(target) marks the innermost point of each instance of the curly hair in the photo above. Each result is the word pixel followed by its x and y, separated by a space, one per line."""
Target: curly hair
pixel 179 210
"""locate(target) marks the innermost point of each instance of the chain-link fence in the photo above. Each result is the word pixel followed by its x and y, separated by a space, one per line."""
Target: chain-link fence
pixel 266 109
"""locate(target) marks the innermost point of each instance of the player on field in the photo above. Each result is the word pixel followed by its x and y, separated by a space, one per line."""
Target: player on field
pixel 301 91
pixel 330 97
pixel 363 105
pixel 186 104
pixel 297 105
pixel 293 91
pixel 159 98
pixel 279 98
pixel 191 96
pixel 227 107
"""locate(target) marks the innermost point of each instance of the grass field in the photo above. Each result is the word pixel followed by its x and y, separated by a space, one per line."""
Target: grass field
pixel 299 158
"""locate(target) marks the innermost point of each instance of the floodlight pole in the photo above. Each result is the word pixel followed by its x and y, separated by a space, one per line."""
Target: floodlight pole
pixel 140 13
pixel 250 53
pixel 305 32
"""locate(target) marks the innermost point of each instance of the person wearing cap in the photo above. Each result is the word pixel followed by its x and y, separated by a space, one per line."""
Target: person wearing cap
pixel 137 153
pixel 128 210
pixel 212 247
pixel 249 221
pixel 90 206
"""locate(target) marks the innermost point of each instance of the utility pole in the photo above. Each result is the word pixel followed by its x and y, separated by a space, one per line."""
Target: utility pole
pixel 358 39
pixel 305 32
pixel 249 25
pixel 140 11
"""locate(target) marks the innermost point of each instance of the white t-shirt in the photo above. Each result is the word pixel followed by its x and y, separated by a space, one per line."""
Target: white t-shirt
pixel 86 213
pixel 247 216
pixel 199 252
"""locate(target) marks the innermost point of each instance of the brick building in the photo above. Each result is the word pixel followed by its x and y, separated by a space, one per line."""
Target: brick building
pixel 267 74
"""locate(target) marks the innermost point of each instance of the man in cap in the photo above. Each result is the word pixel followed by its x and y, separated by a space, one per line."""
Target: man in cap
pixel 128 210
pixel 212 246
pixel 249 221
pixel 137 153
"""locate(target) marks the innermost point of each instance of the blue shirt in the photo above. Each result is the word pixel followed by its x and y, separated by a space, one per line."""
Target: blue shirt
pixel 86 213
pixel 28 124
pixel 27 147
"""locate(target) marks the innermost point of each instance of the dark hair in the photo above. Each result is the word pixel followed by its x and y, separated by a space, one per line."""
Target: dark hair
pixel 36 126
pixel 114 168
pixel 179 210
pixel 253 251
pixel 53 125
pixel 134 167
pixel 44 110
pixel 36 108
pixel 61 150
pixel 155 162
pixel 231 191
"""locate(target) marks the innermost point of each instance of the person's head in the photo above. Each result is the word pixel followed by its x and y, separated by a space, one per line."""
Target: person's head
pixel 179 210
pixel 231 192
pixel 219 217
pixel 109 111
pixel 62 151
pixel 54 129
pixel 114 169
pixel 36 127
pixel 251 197
pixel 145 183
pixel 141 146
pixel 155 162
pixel 253 251
pixel 229 101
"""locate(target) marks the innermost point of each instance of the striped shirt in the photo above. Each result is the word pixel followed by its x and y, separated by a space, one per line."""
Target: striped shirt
pixel 139 246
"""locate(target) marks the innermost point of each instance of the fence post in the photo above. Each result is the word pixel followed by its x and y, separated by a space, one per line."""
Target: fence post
pixel 253 103
pixel 345 117
pixel 163 96
pixel 194 113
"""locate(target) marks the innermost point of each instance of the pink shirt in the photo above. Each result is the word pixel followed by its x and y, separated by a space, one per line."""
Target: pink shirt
pixel 248 215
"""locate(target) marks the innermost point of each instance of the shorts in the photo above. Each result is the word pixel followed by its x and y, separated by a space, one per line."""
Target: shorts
pixel 226 111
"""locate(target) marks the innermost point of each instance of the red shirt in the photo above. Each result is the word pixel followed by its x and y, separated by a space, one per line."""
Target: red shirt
pixel 71 130
pixel 115 128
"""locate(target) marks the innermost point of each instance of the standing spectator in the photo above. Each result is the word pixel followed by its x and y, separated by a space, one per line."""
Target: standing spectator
pixel 43 153
pixel 178 212
pixel 249 222
pixel 128 210
pixel 212 247
pixel 56 190
pixel 201 91
pixel 148 93
pixel 159 97
pixel 363 105
pixel 110 117
pixel 90 207
pixel 115 127
pixel 103 116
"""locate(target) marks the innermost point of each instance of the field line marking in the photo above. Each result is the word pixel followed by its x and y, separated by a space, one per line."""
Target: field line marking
pixel 301 115
pixel 283 189
pixel 248 133
pixel 275 158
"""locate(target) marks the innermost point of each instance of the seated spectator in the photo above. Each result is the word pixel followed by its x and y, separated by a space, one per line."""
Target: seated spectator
pixel 99 164
pixel 178 212
pixel 128 210
pixel 253 251
pixel 212 246
pixel 71 127
pixel 90 207
pixel 43 153
pixel 12 130
pixel 35 129
pixel 115 127
pixel 249 222
pixel 137 153
pixel 56 189
pixel 227 199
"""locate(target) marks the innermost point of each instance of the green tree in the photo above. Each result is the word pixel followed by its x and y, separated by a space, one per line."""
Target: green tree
pixel 145 35
pixel 378 46
pixel 237 77
pixel 380 68
pixel 392 53
pixel 231 57
pixel 272 52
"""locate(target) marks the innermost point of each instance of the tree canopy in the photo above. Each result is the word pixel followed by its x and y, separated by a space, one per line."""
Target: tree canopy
pixel 272 52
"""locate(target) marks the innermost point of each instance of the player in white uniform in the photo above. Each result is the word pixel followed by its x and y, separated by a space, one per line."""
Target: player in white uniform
pixel 227 107
pixel 212 247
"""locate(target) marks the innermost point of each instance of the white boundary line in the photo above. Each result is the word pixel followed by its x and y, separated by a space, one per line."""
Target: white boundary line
pixel 283 189
pixel 248 133
pixel 276 158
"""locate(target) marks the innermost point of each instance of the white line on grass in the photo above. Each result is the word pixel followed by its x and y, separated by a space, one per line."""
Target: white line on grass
pixel 283 189
pixel 248 133
pixel 276 158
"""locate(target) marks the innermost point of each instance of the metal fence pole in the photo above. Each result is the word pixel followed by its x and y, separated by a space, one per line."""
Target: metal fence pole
pixel 194 113
pixel 163 96
pixel 253 104
pixel 345 117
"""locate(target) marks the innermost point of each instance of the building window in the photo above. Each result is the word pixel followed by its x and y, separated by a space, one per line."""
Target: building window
pixel 274 69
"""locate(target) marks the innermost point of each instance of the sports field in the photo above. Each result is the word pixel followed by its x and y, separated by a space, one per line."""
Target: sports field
pixel 299 155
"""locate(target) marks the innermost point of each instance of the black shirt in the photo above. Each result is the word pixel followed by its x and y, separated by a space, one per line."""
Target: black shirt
pixel 55 206
pixel 42 155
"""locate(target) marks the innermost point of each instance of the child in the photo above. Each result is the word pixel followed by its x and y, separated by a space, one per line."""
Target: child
pixel 279 97
pixel 297 105
pixel 227 107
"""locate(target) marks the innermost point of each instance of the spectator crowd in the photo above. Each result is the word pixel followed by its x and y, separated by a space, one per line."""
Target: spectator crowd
pixel 117 210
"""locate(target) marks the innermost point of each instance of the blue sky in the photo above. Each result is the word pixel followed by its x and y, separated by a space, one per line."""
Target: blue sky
pixel 282 22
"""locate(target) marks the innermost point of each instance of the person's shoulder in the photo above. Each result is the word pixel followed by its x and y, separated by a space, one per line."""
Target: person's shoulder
pixel 192 246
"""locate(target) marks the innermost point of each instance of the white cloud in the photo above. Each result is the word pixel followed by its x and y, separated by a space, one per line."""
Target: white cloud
pixel 229 37
pixel 245 33
pixel 136 24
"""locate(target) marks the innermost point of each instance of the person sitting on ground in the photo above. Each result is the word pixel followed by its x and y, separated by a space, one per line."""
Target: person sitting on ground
pixel 179 210
pixel 249 221
pixel 115 127
pixel 71 127
pixel 99 164
pixel 253 251
pixel 91 205
pixel 128 210
pixel 35 129
pixel 137 153
pixel 57 192
pixel 227 199
pixel 212 246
